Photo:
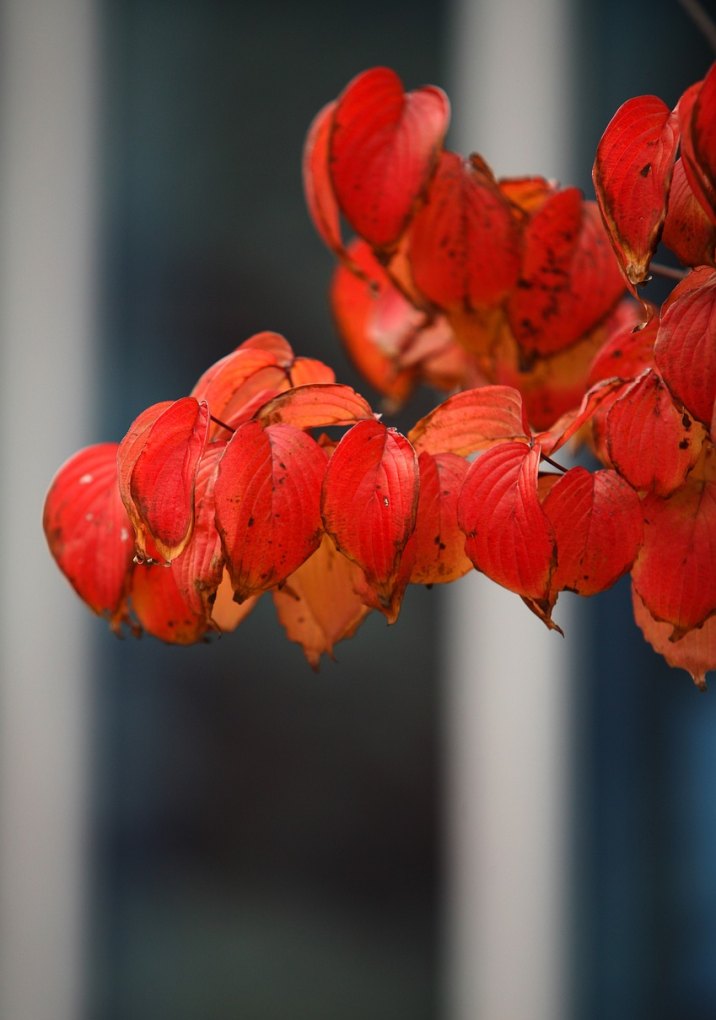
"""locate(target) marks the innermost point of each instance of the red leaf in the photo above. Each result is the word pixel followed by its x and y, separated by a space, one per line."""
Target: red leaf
pixel 685 350
pixel 632 175
pixel 129 450
pixel 162 481
pixel 317 185
pixel 240 382
pixel 383 148
pixel 369 503
pixel 199 569
pixel 274 344
pixel 356 306
pixel 674 572
pixel 161 608
pixel 651 443
pixel 319 606
pixel 268 504
pixel 509 537
pixel 697 114
pixel 569 279
pixel 597 522
pixel 88 531
pixel 688 231
pixel 470 421
pixel 626 354
pixel 465 241
pixel 439 545
pixel 695 651
pixel 318 405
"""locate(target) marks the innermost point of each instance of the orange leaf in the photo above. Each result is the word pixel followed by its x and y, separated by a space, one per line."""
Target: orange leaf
pixel 569 281
pixel 319 606
pixel 318 405
pixel 309 370
pixel 383 148
pixel 161 484
pixel 369 503
pixel 651 443
pixel 597 522
pixel 267 496
pixel 88 531
pixel 685 349
pixel 695 651
pixel 470 421
pixel 439 545
pixel 464 242
pixel 632 175
pixel 237 384
pixel 509 537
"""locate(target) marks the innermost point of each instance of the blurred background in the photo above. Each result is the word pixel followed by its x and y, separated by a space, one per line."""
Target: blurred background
pixel 461 819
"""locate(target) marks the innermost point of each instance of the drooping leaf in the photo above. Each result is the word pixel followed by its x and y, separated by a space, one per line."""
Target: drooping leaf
pixel 317 405
pixel 129 449
pixel 317 184
pixel 319 606
pixel 161 609
pixel 273 343
pixel 470 421
pixel 383 147
pixel 200 567
pixel 309 370
pixel 697 112
pixel 267 497
pixel 695 651
pixel 439 544
pixel 674 572
pixel 465 241
pixel 237 384
pixel 685 349
pixel 632 175
pixel 356 306
pixel 369 503
pixel 509 536
pixel 569 281
pixel 161 484
pixel 88 531
pixel 650 442
pixel 226 613
pixel 597 522
pixel 688 231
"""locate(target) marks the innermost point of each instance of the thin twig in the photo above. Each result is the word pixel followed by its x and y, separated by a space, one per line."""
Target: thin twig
pixel 221 424
pixel 548 460
pixel 702 20
pixel 669 272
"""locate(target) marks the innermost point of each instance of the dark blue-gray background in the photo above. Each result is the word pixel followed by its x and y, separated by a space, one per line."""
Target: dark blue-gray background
pixel 267 841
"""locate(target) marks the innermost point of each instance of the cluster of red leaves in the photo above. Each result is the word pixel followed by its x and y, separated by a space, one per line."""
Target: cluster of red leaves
pixel 506 293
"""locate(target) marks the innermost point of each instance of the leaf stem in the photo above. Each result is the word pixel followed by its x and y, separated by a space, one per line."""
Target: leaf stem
pixel 554 464
pixel 702 20
pixel 222 424
pixel 668 272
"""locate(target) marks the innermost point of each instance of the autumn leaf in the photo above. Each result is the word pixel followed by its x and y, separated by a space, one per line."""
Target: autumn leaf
pixel 509 536
pixel 383 147
pixel 369 502
pixel 161 609
pixel 465 241
pixel 88 531
pixel 438 543
pixel 319 605
pixel 471 421
pixel 685 349
pixel 688 231
pixel 651 443
pixel 267 497
pixel 317 405
pixel 161 484
pixel 695 651
pixel 597 523
pixel 632 176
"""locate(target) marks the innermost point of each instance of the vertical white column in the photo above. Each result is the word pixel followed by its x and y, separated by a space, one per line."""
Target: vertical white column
pixel 47 205
pixel 507 676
